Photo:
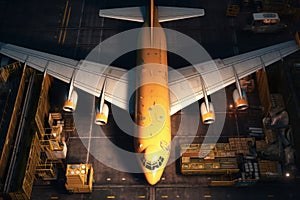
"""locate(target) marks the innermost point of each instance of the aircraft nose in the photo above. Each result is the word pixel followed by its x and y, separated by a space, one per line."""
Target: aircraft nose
pixel 153 177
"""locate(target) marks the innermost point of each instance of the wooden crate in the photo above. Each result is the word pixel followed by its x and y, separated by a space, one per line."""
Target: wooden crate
pixel 79 178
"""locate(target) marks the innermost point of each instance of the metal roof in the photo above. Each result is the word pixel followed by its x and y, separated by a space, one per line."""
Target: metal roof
pixel 262 16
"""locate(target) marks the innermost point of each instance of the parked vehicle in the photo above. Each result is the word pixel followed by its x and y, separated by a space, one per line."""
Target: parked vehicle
pixel 265 23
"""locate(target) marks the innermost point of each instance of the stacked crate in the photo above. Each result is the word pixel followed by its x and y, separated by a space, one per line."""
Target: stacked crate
pixel 69 124
pixel 205 151
pixel 224 150
pixel 79 178
pixel 208 159
pixel 268 168
pixel 240 145
pixel 261 145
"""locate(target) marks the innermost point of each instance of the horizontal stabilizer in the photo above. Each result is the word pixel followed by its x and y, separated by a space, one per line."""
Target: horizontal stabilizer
pixel 166 14
pixel 135 14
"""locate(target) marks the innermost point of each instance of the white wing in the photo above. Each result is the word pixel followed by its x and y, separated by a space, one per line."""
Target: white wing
pixel 166 14
pixel 88 76
pixel 135 14
pixel 185 85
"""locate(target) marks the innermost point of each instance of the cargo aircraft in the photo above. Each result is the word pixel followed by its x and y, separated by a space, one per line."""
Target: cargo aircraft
pixel 154 103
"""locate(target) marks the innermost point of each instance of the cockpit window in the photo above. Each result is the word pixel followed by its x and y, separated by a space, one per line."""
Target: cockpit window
pixel 153 165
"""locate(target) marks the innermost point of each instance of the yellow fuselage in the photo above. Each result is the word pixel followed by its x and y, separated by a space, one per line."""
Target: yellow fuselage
pixel 153 135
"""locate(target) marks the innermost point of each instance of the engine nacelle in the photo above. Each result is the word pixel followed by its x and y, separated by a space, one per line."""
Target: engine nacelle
pixel 101 117
pixel 208 116
pixel 70 104
pixel 241 103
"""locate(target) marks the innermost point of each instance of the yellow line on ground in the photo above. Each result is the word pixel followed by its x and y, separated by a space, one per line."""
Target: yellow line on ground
pixel 67 23
pixel 63 21
pixel 110 197
pixel 65 12
pixel 142 197
pixel 59 38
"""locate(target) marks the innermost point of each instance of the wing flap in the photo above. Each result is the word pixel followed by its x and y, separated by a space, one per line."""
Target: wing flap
pixel 90 77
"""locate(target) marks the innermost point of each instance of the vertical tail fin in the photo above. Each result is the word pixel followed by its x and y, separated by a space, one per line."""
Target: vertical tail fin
pixel 152 10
